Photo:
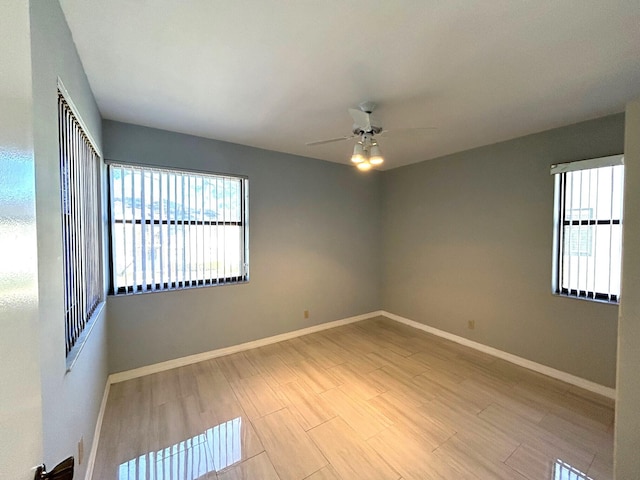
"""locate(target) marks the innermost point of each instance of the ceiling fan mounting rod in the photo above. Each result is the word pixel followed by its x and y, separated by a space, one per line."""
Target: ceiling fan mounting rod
pixel 367 107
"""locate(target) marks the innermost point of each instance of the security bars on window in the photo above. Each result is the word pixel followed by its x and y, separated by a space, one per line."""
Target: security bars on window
pixel 589 228
pixel 79 164
pixel 176 229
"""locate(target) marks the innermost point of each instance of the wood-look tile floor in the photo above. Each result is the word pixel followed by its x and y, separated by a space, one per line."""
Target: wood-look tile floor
pixel 370 400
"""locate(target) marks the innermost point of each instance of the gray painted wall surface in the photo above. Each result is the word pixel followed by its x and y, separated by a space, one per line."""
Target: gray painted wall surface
pixel 70 401
pixel 469 237
pixel 314 245
pixel 20 391
pixel 627 432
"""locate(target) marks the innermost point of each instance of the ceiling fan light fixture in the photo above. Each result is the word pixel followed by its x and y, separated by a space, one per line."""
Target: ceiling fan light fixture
pixel 358 154
pixel 364 166
pixel 375 157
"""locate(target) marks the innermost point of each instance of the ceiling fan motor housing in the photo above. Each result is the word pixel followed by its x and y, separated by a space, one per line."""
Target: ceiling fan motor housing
pixel 365 122
pixel 373 129
pixel 367 140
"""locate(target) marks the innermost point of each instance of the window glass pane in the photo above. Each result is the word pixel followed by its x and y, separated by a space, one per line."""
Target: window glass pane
pixel 594 194
pixel 618 188
pixel 616 259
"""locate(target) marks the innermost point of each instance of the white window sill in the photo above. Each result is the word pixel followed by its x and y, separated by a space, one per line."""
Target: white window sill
pixel 84 336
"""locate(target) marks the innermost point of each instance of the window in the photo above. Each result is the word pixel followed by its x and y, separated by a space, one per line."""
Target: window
pixel 81 240
pixel 176 229
pixel 588 233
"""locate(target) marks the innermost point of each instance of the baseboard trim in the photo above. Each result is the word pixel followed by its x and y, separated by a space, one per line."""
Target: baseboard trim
pixel 91 461
pixel 199 357
pixel 523 362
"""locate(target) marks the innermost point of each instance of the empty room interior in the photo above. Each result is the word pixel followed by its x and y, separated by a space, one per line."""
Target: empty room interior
pixel 320 240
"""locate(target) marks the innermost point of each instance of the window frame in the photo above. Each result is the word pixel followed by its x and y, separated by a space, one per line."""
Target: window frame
pixel 560 172
pixel 135 289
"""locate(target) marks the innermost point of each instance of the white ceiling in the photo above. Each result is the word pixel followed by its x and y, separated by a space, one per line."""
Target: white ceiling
pixel 278 73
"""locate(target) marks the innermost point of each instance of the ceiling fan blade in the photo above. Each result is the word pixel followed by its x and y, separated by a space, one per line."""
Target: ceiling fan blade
pixel 401 132
pixel 360 118
pixel 331 140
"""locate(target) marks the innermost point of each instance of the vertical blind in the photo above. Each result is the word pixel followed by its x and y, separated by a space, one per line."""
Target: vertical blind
pixel 79 174
pixel 175 229
pixel 589 230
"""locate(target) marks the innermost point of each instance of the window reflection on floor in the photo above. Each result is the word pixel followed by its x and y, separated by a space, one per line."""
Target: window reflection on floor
pixel 564 471
pixel 214 449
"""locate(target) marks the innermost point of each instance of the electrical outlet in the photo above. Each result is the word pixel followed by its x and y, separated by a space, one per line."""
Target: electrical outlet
pixel 81 451
pixel 306 314
pixel 471 324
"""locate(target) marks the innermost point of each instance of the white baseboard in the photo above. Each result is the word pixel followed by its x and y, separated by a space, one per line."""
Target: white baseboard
pixel 523 362
pixel 91 461
pixel 199 357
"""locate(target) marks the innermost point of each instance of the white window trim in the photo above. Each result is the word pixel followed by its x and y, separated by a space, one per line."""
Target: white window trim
pixel 588 164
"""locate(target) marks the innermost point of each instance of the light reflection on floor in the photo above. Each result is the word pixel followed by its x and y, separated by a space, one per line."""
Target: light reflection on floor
pixel 564 471
pixel 214 449
pixel 221 446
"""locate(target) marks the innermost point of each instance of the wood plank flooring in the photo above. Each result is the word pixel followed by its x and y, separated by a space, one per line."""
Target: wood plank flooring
pixel 370 400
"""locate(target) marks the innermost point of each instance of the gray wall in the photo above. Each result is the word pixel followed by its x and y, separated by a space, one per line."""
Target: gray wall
pixel 314 245
pixel 20 391
pixel 627 434
pixel 469 237
pixel 70 401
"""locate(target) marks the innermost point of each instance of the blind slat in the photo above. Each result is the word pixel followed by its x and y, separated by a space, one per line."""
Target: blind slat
pixel 595 237
pixel 611 231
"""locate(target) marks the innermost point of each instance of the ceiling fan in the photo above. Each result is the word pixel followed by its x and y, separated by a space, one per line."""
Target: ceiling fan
pixel 366 152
